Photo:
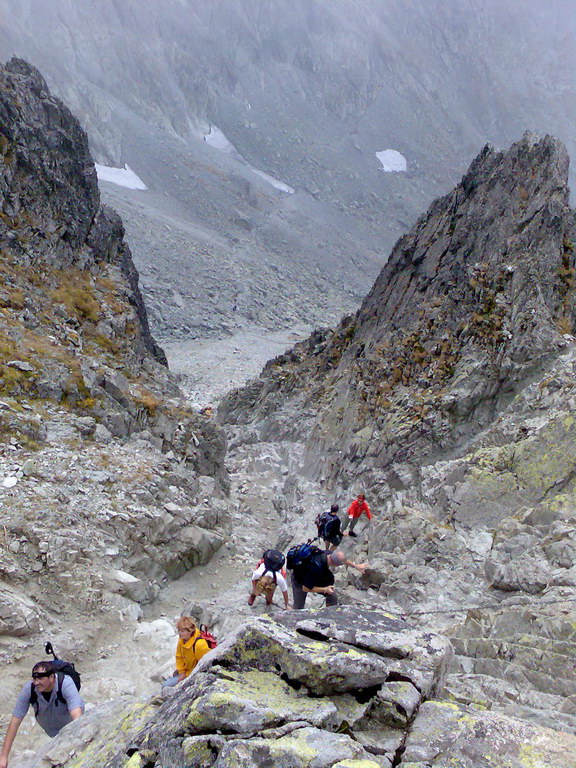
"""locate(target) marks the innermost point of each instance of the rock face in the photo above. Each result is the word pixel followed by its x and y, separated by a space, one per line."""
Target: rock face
pixel 342 688
pixel 449 399
pixel 106 475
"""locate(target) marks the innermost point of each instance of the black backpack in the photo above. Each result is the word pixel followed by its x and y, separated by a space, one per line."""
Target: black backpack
pixel 61 668
pixel 273 560
pixel 323 521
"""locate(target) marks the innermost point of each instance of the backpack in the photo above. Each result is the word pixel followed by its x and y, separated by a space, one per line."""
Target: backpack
pixel 300 553
pixel 205 635
pixel 61 668
pixel 322 523
pixel 273 560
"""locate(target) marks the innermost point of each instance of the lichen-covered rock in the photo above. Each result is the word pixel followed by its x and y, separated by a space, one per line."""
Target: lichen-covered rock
pixel 245 702
pixel 303 748
pixel 241 707
pixel 445 734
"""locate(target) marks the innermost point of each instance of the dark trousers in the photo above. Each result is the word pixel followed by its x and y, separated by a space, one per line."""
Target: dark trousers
pixel 299 596
pixel 350 521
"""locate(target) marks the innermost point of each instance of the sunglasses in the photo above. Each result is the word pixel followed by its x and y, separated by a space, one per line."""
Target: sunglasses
pixel 38 675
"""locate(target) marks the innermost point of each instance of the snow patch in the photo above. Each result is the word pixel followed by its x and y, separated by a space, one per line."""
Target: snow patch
pixel 217 139
pixel 123 177
pixel 392 161
pixel 273 181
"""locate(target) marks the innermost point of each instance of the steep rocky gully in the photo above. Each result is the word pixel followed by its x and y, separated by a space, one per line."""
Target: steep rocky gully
pixel 448 398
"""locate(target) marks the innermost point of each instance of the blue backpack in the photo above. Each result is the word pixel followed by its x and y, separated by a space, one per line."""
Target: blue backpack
pixel 300 553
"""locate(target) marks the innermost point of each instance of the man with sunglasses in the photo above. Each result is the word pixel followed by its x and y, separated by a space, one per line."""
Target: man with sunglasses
pixel 56 703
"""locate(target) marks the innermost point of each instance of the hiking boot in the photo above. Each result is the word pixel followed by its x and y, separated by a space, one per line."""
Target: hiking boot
pixel 251 599
pixel 353 533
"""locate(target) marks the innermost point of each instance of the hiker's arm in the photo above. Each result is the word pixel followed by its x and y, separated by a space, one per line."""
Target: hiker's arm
pixel 75 713
pixel 319 590
pixel 286 599
pixel 180 664
pixel 359 566
pixel 11 732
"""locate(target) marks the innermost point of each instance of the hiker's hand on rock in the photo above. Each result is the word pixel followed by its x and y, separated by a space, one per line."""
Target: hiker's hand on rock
pixel 3 762
pixel 361 566
pixel 181 677
pixel 328 590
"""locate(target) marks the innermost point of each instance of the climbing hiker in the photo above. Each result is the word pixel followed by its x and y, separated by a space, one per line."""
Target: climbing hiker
pixel 311 572
pixel 329 527
pixel 355 510
pixel 54 698
pixel 189 650
pixel 268 575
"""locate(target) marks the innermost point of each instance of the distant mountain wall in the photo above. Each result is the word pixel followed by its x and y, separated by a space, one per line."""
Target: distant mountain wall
pixel 307 96
pixel 312 94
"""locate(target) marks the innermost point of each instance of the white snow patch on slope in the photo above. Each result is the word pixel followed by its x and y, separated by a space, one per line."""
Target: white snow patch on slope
pixel 217 139
pixel 274 182
pixel 123 177
pixel 392 160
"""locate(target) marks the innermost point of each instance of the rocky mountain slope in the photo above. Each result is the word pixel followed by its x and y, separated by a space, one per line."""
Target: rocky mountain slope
pixel 307 97
pixel 111 487
pixel 448 398
pixel 342 688
pixel 109 483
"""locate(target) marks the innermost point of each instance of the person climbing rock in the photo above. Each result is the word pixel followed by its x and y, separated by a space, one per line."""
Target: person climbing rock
pixel 313 574
pixel 189 650
pixel 55 699
pixel 267 576
pixel 355 510
pixel 329 527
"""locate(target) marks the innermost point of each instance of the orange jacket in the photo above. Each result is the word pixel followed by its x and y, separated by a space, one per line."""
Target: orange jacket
pixel 188 654
pixel 357 507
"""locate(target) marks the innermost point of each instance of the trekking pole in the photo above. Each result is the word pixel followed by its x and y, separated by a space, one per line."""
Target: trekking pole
pixel 49 649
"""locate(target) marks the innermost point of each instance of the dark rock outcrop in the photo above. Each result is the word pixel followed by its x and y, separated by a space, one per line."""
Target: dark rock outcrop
pixel 473 301
pixel 73 313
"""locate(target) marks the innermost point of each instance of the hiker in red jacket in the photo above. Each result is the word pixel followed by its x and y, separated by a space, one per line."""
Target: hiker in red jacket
pixel 358 506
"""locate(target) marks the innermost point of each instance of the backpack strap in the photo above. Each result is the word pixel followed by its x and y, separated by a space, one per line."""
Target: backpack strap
pixel 59 695
pixel 34 698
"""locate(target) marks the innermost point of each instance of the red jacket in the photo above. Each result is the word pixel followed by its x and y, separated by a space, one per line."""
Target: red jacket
pixel 357 507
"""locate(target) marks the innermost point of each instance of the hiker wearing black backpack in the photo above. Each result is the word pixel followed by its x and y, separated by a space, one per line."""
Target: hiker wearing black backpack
pixel 329 527
pixel 55 699
pixel 267 576
pixel 189 650
pixel 311 572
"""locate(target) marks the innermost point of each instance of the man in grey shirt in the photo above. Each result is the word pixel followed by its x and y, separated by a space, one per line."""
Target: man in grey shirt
pixel 56 703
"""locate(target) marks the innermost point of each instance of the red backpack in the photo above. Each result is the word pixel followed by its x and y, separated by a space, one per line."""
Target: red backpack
pixel 205 635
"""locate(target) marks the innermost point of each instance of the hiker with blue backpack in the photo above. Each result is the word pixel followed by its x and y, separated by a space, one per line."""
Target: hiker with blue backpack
pixel 54 696
pixel 311 572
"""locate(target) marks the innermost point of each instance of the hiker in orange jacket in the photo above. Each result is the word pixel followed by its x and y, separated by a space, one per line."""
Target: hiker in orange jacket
pixel 190 649
pixel 355 510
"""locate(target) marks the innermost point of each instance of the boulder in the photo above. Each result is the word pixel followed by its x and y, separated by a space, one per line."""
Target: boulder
pixel 445 733
pixel 18 614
